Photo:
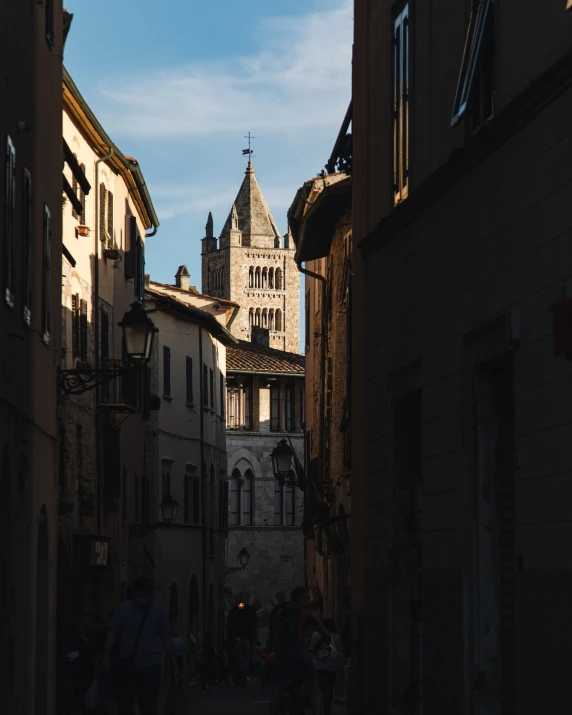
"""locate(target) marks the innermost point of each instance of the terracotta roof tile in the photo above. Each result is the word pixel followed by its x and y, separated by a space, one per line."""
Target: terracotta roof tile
pixel 251 357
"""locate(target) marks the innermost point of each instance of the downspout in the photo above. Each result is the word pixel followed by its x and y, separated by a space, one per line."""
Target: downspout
pixel 99 485
pixel 203 485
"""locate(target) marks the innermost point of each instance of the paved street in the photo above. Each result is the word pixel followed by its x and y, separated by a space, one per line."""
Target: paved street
pixel 229 701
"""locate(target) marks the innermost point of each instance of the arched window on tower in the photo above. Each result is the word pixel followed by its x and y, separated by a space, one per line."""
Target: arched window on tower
pixel 278 320
pixel 271 278
pixel 257 282
pixel 264 318
pixel 247 498
pixel 257 318
pixel 251 317
pixel 271 319
pixel 265 277
pixel 234 501
pixel 278 279
pixel 251 277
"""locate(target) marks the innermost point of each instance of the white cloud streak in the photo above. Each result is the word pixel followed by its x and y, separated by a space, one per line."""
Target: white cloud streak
pixel 297 82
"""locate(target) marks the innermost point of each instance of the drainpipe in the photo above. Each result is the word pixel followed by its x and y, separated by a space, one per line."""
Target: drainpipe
pixel 203 485
pixel 322 351
pixel 99 485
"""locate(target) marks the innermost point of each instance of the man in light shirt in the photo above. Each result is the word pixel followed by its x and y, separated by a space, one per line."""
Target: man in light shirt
pixel 327 670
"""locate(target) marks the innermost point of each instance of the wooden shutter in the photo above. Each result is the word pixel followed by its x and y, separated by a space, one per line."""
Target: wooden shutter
pixel 130 247
pixel 46 275
pixel 10 203
pixel 102 202
pixel 83 330
pixel 82 199
pixel 27 245
pixel 74 189
pixel 166 371
pixel 111 242
pixel 211 386
pixel 189 366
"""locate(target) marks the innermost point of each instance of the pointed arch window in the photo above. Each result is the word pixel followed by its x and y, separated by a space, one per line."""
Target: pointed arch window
pixel 251 277
pixel 251 317
pixel 234 501
pixel 271 319
pixel 265 277
pixel 247 498
pixel 240 502
pixel 257 278
pixel 271 279
pixel 278 279
pixel 257 318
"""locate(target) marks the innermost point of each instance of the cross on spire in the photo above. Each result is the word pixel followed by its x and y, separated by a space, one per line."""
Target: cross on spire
pixel 248 152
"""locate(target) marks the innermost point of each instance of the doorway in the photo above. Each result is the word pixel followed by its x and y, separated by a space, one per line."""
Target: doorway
pixel 241 623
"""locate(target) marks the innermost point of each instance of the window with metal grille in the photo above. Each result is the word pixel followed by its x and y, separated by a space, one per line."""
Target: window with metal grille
pixel 211 386
pixel 46 275
pixel 205 385
pixel 275 407
pixel 189 376
pixel 27 247
pixel 479 38
pixel 166 371
pixel 130 247
pixel 247 498
pixel 401 105
pixel 9 222
pixel 289 408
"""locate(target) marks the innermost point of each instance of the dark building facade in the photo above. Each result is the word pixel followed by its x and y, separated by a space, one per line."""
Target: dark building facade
pixel 31 45
pixel 462 163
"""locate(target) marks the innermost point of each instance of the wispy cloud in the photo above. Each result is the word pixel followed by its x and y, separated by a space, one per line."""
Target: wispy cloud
pixel 293 83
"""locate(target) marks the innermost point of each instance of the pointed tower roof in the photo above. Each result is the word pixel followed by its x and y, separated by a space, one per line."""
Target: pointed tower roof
pixel 254 217
pixel 209 227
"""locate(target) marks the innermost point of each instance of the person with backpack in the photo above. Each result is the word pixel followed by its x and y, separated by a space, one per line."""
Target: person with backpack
pixel 139 625
pixel 293 627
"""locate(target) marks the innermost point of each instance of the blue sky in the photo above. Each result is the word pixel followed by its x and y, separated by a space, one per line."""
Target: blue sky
pixel 178 84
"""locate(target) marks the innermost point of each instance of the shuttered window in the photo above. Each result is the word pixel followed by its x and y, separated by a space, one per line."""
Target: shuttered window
pixel 211 386
pixel 9 221
pixel 46 275
pixel 27 247
pixel 82 199
pixel 110 241
pixel 401 105
pixel 74 189
pixel 189 370
pixel 166 371
pixel 130 247
pixel 480 10
pixel 205 386
pixel 289 408
pixel 75 326
pixel 139 269
pixel 83 334
pixel 102 215
pixel 222 394
pixel 275 409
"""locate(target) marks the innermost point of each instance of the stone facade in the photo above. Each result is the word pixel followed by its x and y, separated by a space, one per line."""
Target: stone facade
pixel 253 265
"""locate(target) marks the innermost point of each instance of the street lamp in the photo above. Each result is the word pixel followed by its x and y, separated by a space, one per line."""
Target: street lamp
pixel 138 332
pixel 281 460
pixel 169 508
pixel 243 559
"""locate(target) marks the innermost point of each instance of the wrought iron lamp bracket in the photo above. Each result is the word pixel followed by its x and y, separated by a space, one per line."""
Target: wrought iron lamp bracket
pixel 78 381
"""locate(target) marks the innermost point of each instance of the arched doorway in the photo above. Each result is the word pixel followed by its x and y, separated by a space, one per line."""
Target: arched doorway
pixel 42 611
pixel 194 603
pixel 242 623
pixel 174 608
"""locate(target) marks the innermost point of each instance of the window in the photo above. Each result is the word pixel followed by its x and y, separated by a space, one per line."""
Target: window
pixel 9 221
pixel 265 277
pixel 286 567
pixel 271 319
pixel 247 498
pixel 257 283
pixel 278 320
pixel 46 275
pixel 49 21
pixel 139 269
pixel 235 498
pixel 482 99
pixel 27 247
pixel 289 408
pixel 257 318
pixel 401 105
pixel 278 503
pixel 221 391
pixel 233 421
pixel 166 480
pixel 205 385
pixel 251 277
pixel 166 371
pixel 103 235
pixel 264 318
pixel 251 317
pixel 307 322
pixel 275 406
pixel 479 38
pixel 211 387
pixel 289 502
pixel 271 278
pixel 197 500
pixel 278 279
pixel 82 199
pixel 110 241
pixel 189 366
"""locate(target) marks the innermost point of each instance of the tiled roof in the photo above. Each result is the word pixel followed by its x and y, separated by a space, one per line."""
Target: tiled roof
pixel 250 357
pixel 185 291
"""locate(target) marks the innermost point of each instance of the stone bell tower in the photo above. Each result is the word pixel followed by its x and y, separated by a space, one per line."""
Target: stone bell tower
pixel 253 265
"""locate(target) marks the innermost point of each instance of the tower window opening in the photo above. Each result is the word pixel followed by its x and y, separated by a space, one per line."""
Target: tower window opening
pixel 271 278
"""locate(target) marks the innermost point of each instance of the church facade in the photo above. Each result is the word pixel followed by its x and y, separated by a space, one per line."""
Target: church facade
pixel 252 264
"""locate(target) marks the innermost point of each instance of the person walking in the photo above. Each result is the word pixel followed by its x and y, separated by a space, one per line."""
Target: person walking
pixel 327 669
pixel 181 653
pixel 139 624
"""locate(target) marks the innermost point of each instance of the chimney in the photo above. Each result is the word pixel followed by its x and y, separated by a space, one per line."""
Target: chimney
pixel 260 336
pixel 182 278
